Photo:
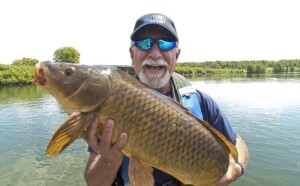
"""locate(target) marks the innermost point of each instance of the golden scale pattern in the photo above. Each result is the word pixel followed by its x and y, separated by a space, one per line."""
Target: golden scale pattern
pixel 163 132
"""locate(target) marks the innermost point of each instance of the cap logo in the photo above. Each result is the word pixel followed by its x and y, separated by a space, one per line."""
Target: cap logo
pixel 155 19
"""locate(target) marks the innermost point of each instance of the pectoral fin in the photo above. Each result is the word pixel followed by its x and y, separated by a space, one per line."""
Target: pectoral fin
pixel 140 173
pixel 69 131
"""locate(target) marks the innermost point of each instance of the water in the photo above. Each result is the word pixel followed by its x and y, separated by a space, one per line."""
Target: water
pixel 29 117
pixel 265 111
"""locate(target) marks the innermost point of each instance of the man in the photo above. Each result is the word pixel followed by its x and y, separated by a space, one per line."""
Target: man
pixel 154 53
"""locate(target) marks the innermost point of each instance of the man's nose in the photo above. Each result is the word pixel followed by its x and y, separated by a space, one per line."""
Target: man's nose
pixel 155 52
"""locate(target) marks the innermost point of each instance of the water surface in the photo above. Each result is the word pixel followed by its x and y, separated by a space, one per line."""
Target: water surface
pixel 264 110
pixel 266 113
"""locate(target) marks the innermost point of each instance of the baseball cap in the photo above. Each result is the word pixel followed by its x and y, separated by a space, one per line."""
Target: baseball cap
pixel 154 19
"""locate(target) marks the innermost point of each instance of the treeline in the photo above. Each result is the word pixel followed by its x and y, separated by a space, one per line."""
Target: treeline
pixel 16 74
pixel 250 67
pixel 25 61
pixel 22 71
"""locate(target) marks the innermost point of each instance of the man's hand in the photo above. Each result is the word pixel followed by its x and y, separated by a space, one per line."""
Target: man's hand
pixel 233 173
pixel 235 170
pixel 104 162
pixel 104 146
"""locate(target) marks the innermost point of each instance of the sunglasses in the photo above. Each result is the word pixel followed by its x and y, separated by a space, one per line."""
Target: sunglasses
pixel 147 44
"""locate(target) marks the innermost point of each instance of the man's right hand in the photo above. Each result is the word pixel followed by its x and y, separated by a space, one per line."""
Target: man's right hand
pixel 104 162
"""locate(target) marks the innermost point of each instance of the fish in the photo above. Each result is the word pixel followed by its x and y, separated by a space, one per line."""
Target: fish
pixel 161 132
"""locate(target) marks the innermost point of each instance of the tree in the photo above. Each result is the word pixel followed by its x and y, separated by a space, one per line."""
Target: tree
pixel 25 61
pixel 250 69
pixel 292 68
pixel 278 68
pixel 259 69
pixel 66 54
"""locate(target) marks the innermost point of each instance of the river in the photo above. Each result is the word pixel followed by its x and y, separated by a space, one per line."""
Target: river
pixel 265 110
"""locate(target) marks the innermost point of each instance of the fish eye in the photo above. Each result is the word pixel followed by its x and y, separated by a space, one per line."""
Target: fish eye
pixel 68 71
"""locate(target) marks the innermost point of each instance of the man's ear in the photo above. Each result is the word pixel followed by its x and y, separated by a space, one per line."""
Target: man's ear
pixel 131 53
pixel 178 53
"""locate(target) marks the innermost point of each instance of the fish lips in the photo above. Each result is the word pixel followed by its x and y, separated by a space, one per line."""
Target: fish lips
pixel 41 81
pixel 39 76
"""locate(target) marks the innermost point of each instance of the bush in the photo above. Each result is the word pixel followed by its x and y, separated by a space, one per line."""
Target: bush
pixel 12 74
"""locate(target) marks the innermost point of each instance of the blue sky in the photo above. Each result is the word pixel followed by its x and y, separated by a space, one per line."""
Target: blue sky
pixel 209 30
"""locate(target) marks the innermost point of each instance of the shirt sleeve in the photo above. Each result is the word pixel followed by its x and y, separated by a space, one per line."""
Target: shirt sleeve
pixel 214 116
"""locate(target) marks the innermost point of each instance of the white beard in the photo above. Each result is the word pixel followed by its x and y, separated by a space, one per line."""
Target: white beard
pixel 155 81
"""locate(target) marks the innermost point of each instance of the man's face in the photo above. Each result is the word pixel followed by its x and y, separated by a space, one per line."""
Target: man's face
pixel 154 67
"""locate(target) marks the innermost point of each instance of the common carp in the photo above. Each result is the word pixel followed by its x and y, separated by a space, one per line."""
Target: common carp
pixel 161 132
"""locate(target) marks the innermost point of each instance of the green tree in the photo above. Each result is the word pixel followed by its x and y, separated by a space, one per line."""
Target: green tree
pixel 66 54
pixel 259 69
pixel 278 68
pixel 25 62
pixel 250 69
pixel 16 74
pixel 292 68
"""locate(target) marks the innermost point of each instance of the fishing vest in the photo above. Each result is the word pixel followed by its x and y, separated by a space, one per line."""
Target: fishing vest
pixel 190 99
pixel 182 91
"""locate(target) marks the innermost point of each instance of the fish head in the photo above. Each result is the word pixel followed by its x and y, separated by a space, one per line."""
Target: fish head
pixel 76 87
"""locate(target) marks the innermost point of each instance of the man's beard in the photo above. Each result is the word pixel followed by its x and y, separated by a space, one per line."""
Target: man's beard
pixel 155 81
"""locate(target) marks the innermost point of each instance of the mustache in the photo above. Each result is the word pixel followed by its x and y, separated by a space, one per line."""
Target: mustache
pixel 151 62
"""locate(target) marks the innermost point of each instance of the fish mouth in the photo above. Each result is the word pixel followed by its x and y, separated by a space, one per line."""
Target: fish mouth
pixel 39 75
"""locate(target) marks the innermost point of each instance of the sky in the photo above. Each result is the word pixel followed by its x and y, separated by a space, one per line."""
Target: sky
pixel 208 30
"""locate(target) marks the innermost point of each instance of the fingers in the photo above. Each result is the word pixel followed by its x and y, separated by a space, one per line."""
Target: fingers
pixel 90 135
pixel 107 134
pixel 104 145
pixel 230 176
pixel 122 141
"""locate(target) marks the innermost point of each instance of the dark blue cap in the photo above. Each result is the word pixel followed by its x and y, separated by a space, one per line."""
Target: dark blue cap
pixel 154 19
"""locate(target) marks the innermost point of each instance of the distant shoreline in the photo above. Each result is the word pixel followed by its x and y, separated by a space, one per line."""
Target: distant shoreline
pixel 24 75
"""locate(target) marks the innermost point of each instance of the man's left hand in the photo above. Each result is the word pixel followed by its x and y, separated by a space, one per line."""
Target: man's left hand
pixel 233 173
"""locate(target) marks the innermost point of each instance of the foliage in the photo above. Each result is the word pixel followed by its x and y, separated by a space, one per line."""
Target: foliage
pixel 256 69
pixel 66 54
pixel 278 68
pixel 3 67
pixel 24 74
pixel 16 74
pixel 25 61
pixel 251 67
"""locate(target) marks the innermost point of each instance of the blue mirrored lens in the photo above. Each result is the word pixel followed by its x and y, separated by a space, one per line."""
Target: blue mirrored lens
pixel 147 44
pixel 166 45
